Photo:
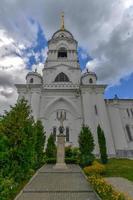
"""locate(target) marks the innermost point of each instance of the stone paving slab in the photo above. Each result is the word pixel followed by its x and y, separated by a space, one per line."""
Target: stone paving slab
pixel 58 196
pixel 58 182
pixel 51 184
pixel 49 168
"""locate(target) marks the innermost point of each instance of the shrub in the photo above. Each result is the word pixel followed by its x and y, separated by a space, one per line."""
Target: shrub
pixel 51 147
pixel 105 190
pixel 71 161
pixel 68 152
pixel 51 160
pixel 102 145
pixel 86 146
pixel 39 143
pixel 86 160
pixel 95 168
pixel 75 153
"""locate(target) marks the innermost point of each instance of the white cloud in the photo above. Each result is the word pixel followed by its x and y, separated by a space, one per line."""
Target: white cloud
pixel 102 27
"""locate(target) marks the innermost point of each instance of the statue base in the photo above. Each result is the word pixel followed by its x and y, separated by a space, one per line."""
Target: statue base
pixel 60 163
pixel 60 166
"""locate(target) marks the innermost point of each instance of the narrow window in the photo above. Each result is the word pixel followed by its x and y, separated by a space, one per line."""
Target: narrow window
pixel 31 80
pixel 129 133
pixel 54 133
pixel 128 113
pixel 132 112
pixel 90 80
pixel 96 111
pixel 65 115
pixel 67 134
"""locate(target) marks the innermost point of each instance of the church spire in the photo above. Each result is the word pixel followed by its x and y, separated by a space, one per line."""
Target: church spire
pixel 62 21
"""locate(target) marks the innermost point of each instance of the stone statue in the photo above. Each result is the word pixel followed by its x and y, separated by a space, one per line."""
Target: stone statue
pixel 61 118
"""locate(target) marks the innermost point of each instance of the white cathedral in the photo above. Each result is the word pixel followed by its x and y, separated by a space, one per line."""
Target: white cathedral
pixel 64 88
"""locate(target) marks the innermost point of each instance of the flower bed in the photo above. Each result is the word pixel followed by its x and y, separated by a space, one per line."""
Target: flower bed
pixel 105 190
pixel 95 168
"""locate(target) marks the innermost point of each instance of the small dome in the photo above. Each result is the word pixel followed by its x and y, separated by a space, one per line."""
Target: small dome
pixel 33 78
pixel 62 33
pixel 89 78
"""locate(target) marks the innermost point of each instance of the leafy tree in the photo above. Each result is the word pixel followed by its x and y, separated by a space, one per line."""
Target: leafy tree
pixel 39 143
pixel 51 147
pixel 102 145
pixel 86 146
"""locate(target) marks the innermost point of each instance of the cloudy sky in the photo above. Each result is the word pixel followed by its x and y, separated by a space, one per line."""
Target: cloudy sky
pixel 103 28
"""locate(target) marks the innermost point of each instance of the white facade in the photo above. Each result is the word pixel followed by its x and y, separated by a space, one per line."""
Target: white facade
pixel 62 87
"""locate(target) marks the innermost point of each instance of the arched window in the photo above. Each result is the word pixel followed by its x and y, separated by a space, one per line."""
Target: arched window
pixel 129 134
pixel 62 53
pixel 31 80
pixel 67 134
pixel 61 78
pixel 90 80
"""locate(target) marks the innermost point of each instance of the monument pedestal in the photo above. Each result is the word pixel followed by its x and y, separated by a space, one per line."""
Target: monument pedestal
pixel 60 162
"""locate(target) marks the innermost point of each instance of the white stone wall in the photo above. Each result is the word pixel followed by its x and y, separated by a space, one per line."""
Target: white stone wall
pixel 93 96
pixel 117 110
pixel 82 101
pixel 57 101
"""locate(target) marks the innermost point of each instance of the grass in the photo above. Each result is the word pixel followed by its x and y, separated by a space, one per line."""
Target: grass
pixel 120 168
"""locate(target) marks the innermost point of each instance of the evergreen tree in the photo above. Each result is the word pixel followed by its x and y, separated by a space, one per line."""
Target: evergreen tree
pixel 17 126
pixel 86 146
pixel 51 147
pixel 21 147
pixel 4 155
pixel 39 143
pixel 102 145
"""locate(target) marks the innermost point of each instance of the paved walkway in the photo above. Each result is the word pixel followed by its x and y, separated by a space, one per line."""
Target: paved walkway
pixel 122 185
pixel 51 184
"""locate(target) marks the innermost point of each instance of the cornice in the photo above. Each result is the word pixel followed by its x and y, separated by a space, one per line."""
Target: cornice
pixel 30 86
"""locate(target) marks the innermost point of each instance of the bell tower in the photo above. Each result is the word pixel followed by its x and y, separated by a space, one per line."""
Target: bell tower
pixel 62 56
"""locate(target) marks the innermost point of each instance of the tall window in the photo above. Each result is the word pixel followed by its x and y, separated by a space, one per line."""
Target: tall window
pixel 61 78
pixel 131 111
pixel 62 53
pixel 129 134
pixel 128 113
pixel 54 133
pixel 67 134
pixel 96 111
pixel 57 115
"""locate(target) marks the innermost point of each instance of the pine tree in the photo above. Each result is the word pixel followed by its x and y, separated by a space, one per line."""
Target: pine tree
pixel 51 147
pixel 86 146
pixel 102 145
pixel 39 143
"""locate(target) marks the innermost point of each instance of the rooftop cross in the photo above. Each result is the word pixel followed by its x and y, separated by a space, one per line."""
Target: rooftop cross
pixel 62 21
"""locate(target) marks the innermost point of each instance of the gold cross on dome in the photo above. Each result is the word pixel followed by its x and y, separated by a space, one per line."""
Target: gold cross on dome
pixel 62 21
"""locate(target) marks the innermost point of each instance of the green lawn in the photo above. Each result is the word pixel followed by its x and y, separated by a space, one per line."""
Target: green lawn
pixel 120 168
